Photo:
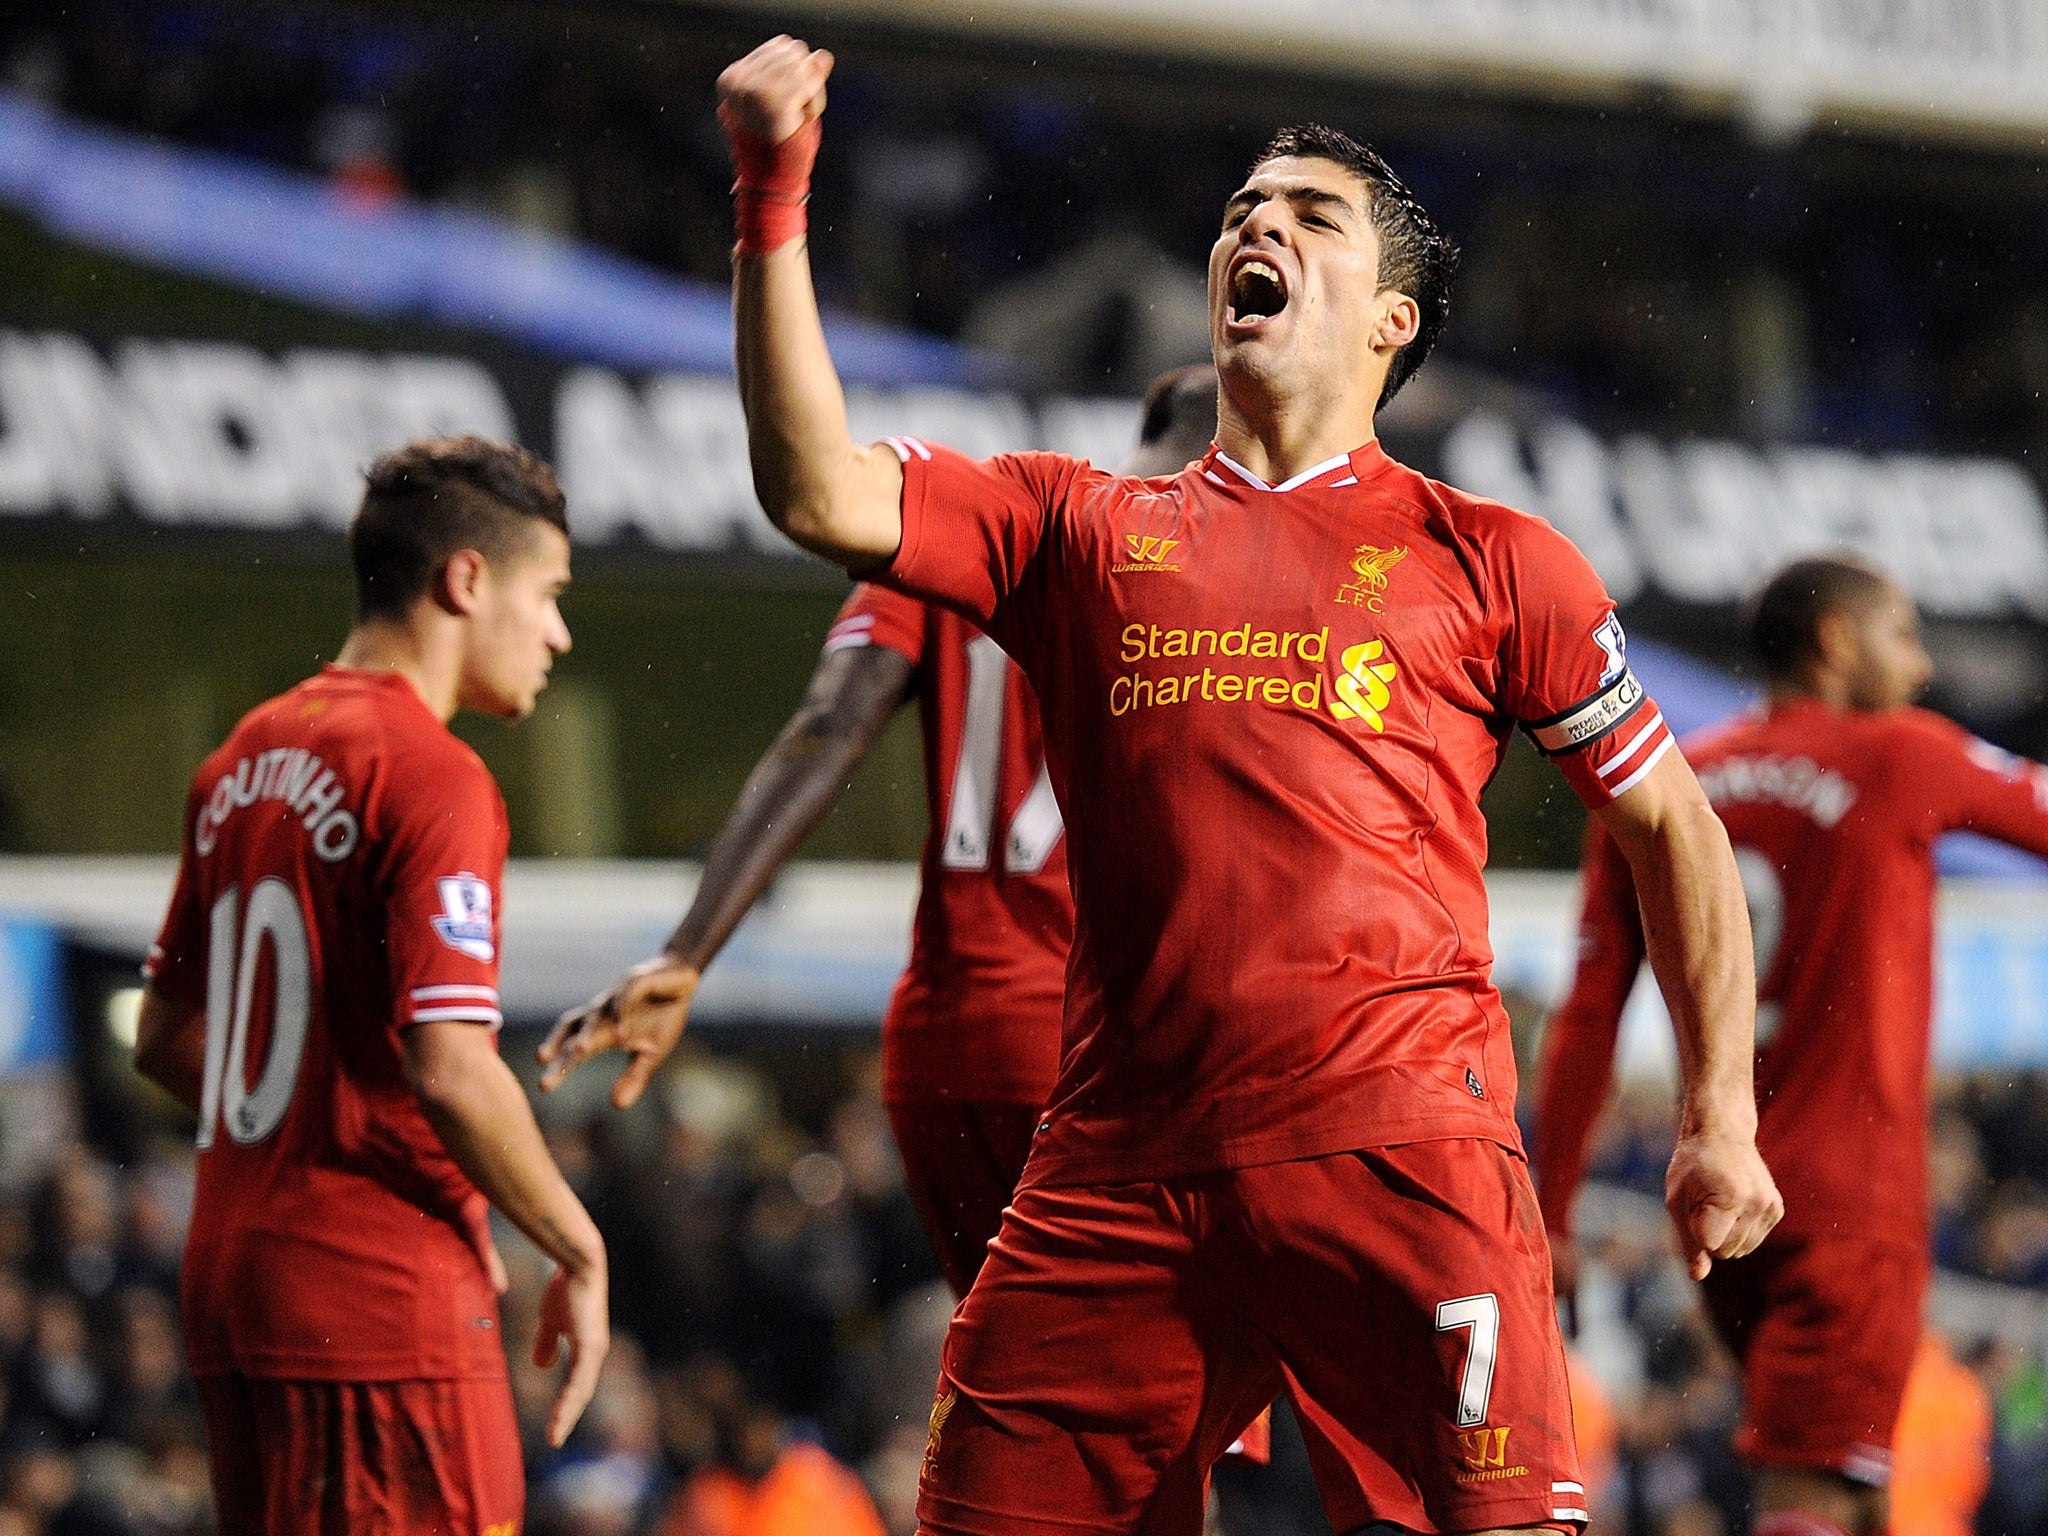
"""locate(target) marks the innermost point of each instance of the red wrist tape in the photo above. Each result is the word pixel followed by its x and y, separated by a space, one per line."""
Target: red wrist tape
pixel 772 184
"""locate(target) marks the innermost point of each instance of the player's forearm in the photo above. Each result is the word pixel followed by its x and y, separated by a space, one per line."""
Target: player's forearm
pixel 1696 930
pixel 831 496
pixel 170 1047
pixel 850 699
pixel 479 1111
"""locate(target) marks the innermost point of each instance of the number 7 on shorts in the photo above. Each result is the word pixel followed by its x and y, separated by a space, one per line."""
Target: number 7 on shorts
pixel 1482 1315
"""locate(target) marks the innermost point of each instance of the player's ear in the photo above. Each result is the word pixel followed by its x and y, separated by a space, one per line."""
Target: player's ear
pixel 459 585
pixel 1397 319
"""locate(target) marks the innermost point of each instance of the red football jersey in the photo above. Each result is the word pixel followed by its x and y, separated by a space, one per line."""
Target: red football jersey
pixel 339 881
pixel 1834 817
pixel 1269 712
pixel 976 1015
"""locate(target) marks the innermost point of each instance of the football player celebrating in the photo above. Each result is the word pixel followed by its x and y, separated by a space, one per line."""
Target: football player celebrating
pixel 324 997
pixel 1833 793
pixel 1281 1153
pixel 971 1041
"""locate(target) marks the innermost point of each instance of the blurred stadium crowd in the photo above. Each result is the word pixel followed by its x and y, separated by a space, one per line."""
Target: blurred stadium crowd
pixel 778 1318
pixel 1626 262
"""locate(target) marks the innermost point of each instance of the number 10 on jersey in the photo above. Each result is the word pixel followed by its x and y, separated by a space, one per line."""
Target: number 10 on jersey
pixel 237 941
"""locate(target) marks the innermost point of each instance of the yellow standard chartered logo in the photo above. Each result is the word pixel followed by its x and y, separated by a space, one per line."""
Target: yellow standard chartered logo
pixel 1361 689
pixel 1282 669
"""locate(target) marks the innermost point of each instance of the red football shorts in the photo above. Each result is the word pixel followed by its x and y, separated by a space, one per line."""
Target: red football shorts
pixel 1119 1337
pixel 356 1458
pixel 961 1161
pixel 1825 1328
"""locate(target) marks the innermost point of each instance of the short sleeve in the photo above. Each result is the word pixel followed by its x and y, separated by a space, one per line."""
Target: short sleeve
pixel 874 615
pixel 1567 679
pixel 176 964
pixel 1976 787
pixel 443 883
pixel 972 527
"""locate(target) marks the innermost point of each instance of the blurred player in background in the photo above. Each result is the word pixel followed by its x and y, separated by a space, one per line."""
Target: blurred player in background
pixel 324 997
pixel 1281 1153
pixel 971 1042
pixel 1833 793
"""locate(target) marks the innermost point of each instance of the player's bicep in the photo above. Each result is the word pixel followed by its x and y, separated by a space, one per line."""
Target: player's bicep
pixel 861 525
pixel 441 1058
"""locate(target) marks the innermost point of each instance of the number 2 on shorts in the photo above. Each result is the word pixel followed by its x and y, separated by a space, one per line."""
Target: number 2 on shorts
pixel 1475 1388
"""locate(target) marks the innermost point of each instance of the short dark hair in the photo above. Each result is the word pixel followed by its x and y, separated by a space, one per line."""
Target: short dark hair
pixel 423 502
pixel 1415 256
pixel 1781 619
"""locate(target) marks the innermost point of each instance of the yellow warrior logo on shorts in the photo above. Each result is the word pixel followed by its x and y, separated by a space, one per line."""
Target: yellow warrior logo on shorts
pixel 1371 565
pixel 1486 1455
pixel 1362 691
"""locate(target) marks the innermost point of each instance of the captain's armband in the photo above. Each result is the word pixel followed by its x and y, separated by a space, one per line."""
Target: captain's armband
pixel 1589 720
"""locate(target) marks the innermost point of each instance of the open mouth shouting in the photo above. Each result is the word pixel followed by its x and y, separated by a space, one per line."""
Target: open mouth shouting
pixel 1257 292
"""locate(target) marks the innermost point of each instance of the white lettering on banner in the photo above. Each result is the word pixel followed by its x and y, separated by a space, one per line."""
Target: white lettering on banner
pixel 218 433
pixel 224 435
pixel 1703 521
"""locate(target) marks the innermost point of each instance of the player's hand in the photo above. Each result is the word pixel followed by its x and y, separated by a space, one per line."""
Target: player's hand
pixel 643 1015
pixel 1722 1199
pixel 573 1307
pixel 777 88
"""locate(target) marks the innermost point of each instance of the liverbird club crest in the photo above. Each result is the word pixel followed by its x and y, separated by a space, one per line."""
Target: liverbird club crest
pixel 1371 565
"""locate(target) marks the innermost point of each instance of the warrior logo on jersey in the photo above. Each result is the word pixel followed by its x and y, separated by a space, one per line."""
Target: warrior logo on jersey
pixel 1370 564
pixel 465 920
pixel 1611 640
pixel 1148 552
pixel 1362 691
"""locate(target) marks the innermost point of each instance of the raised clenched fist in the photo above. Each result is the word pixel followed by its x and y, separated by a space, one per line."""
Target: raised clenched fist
pixel 776 89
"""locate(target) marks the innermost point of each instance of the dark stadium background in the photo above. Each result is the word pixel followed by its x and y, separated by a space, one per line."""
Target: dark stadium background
pixel 1677 272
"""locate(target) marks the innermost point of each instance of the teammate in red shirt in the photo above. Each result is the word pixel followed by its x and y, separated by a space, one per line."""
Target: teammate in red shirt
pixel 1281 1153
pixel 971 1041
pixel 324 997
pixel 1834 794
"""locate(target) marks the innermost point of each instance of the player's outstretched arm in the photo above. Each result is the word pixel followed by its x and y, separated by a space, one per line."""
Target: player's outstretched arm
pixel 1696 927
pixel 170 1046
pixel 851 696
pixel 1577 1067
pixel 480 1112
pixel 833 497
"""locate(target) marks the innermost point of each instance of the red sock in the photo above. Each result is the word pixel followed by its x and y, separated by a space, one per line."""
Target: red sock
pixel 772 184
